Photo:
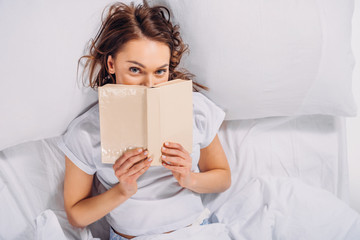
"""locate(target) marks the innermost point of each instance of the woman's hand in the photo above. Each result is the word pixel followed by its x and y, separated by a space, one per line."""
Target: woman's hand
pixel 128 168
pixel 178 160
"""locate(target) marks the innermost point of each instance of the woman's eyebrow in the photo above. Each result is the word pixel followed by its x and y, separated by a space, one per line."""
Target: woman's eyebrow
pixel 165 65
pixel 141 65
pixel 137 63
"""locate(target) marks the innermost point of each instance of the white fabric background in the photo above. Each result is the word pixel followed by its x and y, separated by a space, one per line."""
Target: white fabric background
pixel 353 124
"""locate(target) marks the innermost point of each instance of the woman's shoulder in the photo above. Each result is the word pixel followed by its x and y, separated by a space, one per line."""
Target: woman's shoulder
pixel 87 121
pixel 202 104
pixel 207 118
pixel 80 139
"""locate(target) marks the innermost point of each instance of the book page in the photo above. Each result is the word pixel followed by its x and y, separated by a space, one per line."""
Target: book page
pixel 169 116
pixel 123 119
pixel 176 114
pixel 170 82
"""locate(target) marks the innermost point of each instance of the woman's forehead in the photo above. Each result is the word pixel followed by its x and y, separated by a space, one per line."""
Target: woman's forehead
pixel 145 51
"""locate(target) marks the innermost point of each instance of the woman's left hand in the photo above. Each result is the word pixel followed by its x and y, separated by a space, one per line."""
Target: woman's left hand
pixel 178 160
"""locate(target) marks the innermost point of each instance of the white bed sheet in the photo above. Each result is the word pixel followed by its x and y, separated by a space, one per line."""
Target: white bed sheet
pixel 309 148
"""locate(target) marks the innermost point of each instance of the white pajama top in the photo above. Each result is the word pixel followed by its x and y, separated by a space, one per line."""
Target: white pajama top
pixel 160 204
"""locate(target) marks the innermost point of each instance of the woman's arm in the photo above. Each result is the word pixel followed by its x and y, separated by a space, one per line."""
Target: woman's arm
pixel 214 176
pixel 81 208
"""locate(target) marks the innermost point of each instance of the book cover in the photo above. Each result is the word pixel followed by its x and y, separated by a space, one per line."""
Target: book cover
pixel 133 116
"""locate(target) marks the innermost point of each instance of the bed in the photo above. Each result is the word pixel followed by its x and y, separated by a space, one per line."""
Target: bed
pixel 306 148
pixel 287 155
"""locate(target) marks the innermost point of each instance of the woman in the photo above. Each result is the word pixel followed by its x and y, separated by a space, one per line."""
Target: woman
pixel 138 45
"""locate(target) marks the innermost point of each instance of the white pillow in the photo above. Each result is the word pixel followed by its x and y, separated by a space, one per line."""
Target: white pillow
pixel 259 58
pixel 41 42
pixel 271 58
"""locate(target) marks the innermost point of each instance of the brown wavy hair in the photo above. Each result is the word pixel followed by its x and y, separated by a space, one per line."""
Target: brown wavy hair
pixel 127 22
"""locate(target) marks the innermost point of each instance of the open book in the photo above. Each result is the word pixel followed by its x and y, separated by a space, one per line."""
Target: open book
pixel 133 116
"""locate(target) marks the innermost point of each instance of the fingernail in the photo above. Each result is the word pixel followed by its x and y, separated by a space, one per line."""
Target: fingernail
pixel 163 156
pixel 168 163
pixel 163 148
pixel 140 150
pixel 166 144
pixel 150 159
pixel 145 153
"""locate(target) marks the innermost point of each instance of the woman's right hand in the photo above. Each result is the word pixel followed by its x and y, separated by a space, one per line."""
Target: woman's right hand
pixel 128 168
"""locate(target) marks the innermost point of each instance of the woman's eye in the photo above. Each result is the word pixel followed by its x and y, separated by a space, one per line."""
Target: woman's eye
pixel 160 72
pixel 134 70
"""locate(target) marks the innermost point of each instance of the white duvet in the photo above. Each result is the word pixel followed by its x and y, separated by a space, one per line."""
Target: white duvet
pixel 288 176
pixel 266 208
pixel 285 208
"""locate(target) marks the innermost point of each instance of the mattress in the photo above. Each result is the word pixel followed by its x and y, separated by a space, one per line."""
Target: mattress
pixel 309 148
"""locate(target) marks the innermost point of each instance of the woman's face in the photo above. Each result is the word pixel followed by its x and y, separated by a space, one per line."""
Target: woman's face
pixel 141 62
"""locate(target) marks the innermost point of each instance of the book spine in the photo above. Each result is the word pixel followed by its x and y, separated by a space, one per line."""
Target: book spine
pixel 153 125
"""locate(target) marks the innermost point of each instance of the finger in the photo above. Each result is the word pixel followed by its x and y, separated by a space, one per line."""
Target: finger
pixel 136 175
pixel 174 161
pixel 137 167
pixel 178 169
pixel 134 160
pixel 130 162
pixel 175 145
pixel 127 155
pixel 173 152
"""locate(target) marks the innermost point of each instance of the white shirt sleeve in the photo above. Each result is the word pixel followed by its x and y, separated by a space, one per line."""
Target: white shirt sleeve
pixel 79 141
pixel 208 118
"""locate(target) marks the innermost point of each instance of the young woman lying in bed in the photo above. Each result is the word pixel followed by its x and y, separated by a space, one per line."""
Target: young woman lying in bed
pixel 138 45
